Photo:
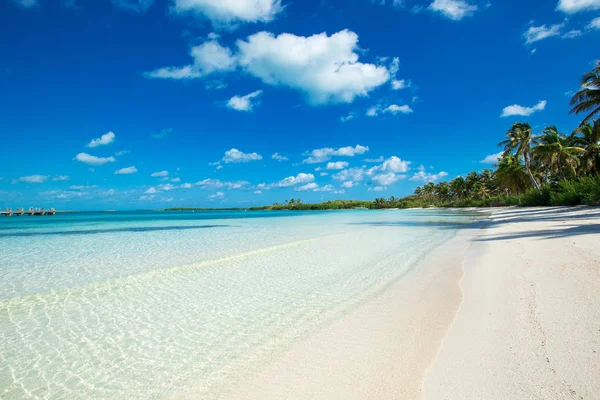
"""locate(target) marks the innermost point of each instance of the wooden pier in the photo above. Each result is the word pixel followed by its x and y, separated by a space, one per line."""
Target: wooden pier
pixel 9 212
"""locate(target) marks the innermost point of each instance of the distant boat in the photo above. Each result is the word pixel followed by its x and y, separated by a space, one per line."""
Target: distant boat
pixel 361 208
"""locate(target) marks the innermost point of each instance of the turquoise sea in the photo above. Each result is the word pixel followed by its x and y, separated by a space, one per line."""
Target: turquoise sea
pixel 156 304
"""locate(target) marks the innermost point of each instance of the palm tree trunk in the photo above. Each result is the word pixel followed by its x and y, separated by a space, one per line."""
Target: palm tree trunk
pixel 531 178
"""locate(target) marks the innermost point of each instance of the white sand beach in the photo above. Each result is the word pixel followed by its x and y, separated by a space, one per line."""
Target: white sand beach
pixel 510 310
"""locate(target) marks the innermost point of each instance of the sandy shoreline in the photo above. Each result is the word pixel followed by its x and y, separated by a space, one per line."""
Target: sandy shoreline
pixel 508 311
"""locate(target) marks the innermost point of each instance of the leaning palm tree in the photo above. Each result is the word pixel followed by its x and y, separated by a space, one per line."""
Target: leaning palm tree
pixel 511 176
pixel 519 139
pixel 558 152
pixel 587 137
pixel 587 98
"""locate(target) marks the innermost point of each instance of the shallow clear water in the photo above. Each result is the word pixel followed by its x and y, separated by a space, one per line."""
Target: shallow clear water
pixel 154 304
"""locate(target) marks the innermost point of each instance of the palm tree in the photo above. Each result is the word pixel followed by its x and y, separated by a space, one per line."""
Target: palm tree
pixel 587 99
pixel 558 153
pixel 587 137
pixel 458 187
pixel 511 175
pixel 519 139
pixel 470 182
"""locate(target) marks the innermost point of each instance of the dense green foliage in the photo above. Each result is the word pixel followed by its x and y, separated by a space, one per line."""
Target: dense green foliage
pixel 329 205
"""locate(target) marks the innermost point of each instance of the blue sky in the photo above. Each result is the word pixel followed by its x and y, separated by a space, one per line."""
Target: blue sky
pixel 152 103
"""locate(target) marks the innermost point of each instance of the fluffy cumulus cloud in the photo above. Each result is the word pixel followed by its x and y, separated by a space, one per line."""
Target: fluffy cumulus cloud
pixel 228 12
pixel 324 154
pixel 453 9
pixel 387 179
pixel 209 57
pixel 236 156
pixel 126 171
pixel 32 179
pixel 93 160
pixel 244 103
pixel 60 178
pixel 160 174
pixel 325 68
pixel 103 140
pixel 536 33
pixel 393 164
pixel 492 158
pixel 308 186
pixel 337 165
pixel 574 6
pixel 350 174
pixel 279 157
pixel 299 179
pixel 426 177
pixel 516 109
pixel 347 184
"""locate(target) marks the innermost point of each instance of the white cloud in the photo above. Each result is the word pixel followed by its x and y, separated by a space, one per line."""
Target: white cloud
pixel 516 109
pixel 492 158
pixel 160 174
pixel 122 153
pixel 166 187
pixel 323 174
pixel 324 154
pixel 326 188
pixel 377 189
pixel 295 180
pixel 279 157
pixel 236 156
pixel 258 192
pixel 93 160
pixel 325 68
pixel 228 12
pixel 537 33
pixel 308 186
pixel 186 186
pixel 393 164
pixel 212 184
pixel 126 171
pixel 60 178
pixel 350 174
pixel 427 177
pixel 209 57
pixel 346 118
pixel 348 184
pixel 244 103
pixel 103 140
pixel 594 24
pixel 574 6
pixel 399 84
pixel 146 198
pixel 32 179
pixel 453 9
pixel 176 180
pixel 387 179
pixel 218 195
pixel 337 165
pixel 572 34
pixel 151 190
pixel 396 109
